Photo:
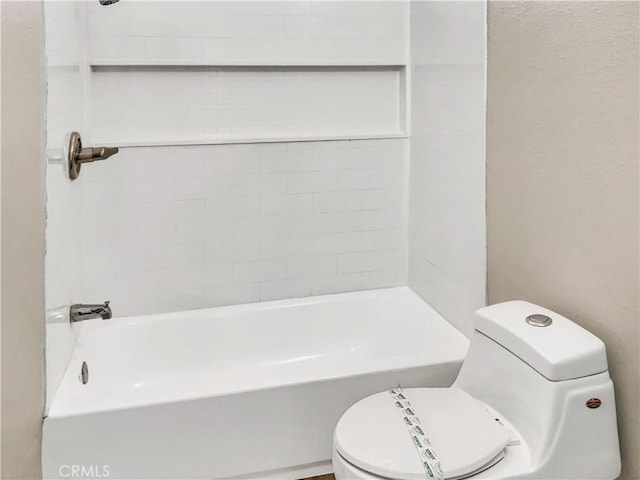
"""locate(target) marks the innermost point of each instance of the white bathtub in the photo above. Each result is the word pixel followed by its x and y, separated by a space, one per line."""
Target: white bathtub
pixel 250 391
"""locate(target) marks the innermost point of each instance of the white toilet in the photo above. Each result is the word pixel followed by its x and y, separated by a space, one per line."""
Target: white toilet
pixel 533 400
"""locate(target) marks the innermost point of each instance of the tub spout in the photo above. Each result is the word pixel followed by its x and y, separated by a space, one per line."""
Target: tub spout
pixel 82 311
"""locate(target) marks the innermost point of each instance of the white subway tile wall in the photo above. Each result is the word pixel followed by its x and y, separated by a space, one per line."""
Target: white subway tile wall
pixel 130 106
pixel 447 245
pixel 299 32
pixel 64 262
pixel 180 228
pixel 223 224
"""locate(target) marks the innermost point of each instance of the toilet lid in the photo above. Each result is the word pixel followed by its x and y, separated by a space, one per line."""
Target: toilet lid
pixel 375 436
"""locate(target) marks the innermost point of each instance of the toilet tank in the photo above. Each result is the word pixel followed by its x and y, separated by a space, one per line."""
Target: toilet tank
pixel 542 375
pixel 551 344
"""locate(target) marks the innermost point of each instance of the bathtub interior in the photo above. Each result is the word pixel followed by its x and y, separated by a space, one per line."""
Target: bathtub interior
pixel 143 360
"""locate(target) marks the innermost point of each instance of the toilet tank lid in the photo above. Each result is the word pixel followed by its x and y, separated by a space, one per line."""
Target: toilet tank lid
pixel 560 351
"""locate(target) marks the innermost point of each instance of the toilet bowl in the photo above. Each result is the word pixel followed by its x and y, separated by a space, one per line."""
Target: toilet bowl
pixel 533 400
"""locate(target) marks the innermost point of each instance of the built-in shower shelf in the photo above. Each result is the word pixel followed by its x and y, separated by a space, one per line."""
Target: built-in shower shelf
pixel 207 140
pixel 192 103
pixel 106 62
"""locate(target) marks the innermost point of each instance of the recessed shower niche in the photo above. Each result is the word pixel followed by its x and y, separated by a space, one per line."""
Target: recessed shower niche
pixel 196 104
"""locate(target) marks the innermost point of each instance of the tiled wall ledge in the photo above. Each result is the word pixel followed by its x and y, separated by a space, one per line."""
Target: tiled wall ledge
pixel 181 62
pixel 229 140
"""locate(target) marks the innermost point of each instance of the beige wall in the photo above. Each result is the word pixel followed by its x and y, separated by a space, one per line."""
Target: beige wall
pixel 562 175
pixel 22 238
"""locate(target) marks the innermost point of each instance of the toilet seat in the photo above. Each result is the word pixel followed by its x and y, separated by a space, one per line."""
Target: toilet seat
pixel 377 436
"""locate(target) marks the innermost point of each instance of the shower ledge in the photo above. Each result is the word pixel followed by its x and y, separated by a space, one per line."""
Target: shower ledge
pixel 146 62
pixel 242 140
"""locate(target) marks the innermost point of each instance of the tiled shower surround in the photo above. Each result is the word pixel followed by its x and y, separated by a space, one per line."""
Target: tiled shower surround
pixel 164 228
pixel 447 237
pixel 191 227
pixel 172 228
